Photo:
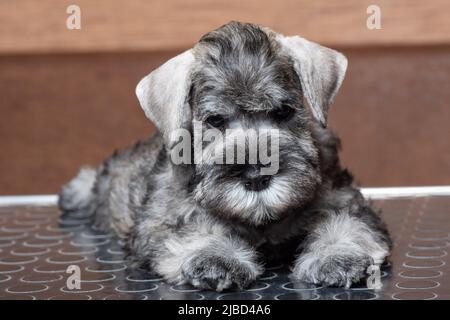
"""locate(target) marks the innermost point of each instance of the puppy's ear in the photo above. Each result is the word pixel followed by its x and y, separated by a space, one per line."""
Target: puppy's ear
pixel 320 69
pixel 163 94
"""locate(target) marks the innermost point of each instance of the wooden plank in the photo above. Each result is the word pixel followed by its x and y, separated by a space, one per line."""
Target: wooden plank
pixel 29 26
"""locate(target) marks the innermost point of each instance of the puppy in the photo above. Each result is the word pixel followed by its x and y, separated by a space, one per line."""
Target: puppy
pixel 216 225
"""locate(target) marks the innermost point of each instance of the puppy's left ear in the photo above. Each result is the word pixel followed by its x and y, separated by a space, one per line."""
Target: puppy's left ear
pixel 163 95
pixel 320 69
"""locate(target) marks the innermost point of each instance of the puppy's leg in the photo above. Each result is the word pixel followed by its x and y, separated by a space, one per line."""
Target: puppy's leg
pixel 108 193
pixel 203 253
pixel 77 195
pixel 343 242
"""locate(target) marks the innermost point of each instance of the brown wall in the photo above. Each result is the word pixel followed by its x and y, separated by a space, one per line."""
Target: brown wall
pixel 67 97
pixel 63 111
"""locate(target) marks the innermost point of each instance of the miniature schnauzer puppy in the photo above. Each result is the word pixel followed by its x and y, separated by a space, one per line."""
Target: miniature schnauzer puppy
pixel 215 226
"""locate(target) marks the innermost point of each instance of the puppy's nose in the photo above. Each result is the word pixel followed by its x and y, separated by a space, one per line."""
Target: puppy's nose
pixel 257 183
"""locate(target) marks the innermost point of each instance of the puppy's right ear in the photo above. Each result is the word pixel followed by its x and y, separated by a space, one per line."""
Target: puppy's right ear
pixel 163 94
pixel 321 71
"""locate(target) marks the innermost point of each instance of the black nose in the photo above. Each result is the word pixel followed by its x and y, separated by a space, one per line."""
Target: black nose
pixel 257 183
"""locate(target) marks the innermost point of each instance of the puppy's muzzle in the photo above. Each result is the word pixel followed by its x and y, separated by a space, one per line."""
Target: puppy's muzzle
pixel 258 183
pixel 253 179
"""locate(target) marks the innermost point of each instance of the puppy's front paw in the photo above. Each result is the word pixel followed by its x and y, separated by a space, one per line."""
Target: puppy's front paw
pixel 215 272
pixel 341 270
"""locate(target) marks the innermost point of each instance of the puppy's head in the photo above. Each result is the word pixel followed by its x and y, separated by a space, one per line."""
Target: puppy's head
pixel 248 78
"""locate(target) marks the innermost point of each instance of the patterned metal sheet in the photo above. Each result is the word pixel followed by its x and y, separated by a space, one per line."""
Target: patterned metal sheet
pixel 37 247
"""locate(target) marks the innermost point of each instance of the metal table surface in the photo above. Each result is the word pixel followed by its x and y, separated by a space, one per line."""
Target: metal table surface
pixel 37 246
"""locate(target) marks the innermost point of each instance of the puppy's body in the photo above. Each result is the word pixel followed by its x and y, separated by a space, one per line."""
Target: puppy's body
pixel 200 223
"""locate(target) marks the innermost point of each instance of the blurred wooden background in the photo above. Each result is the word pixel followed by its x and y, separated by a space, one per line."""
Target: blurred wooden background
pixel 67 96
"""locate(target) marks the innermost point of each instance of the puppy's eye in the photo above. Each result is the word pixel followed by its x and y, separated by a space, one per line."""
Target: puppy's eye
pixel 284 113
pixel 216 121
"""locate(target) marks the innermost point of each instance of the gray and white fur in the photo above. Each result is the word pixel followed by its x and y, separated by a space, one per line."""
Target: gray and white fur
pixel 217 226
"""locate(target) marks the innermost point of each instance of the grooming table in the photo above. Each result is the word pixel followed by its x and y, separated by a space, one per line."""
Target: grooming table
pixel 37 247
